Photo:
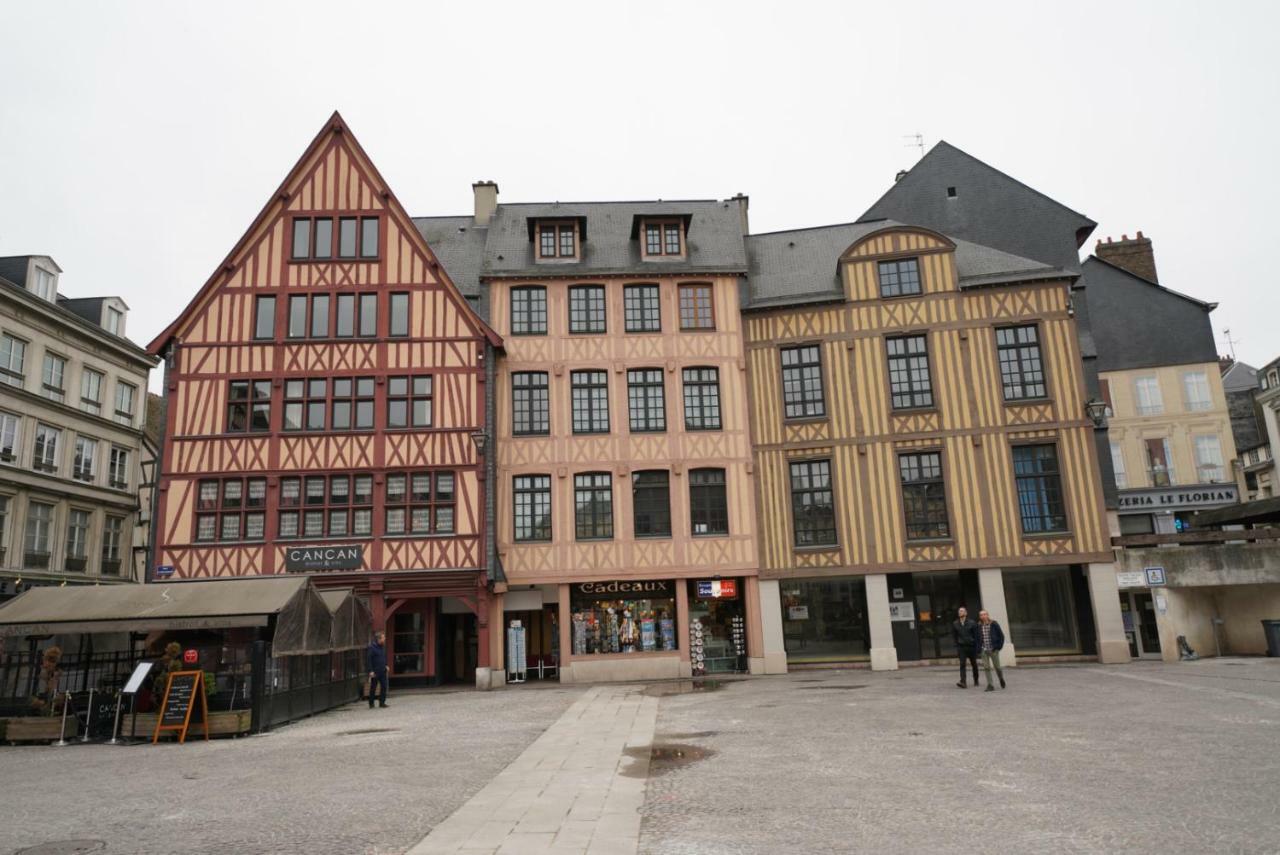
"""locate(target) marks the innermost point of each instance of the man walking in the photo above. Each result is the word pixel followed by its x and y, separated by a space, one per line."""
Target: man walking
pixel 964 632
pixel 378 668
pixel 990 640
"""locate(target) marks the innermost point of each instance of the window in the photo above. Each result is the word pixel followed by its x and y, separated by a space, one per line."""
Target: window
pixel 696 308
pixel 420 503
pixel 663 238
pixel 4 526
pixel 297 317
pixel 324 239
pixel 530 404
pixel 115 321
pixel 399 323
pixel 642 308
pixel 368 325
pixel 1160 463
pixel 301 238
pixel 557 240
pixel 529 310
pixel 10 437
pixel 77 541
pixel 812 504
pixel 708 505
pixel 112 540
pixel 900 278
pixel 1039 483
pixel 118 468
pixel 1117 465
pixel 36 542
pixel 645 400
pixel 909 383
pixel 590 393
pixel 1147 391
pixel 320 316
pixel 231 509
pixel 335 506
pixel 586 309
pixel 313 238
pixel 409 401
pixel 126 399
pixel 84 466
pixel 352 404
pixel 924 498
pixel 802 382
pixel 54 377
pixel 264 318
pixel 1196 386
pixel 651 503
pixel 593 505
pixel 13 360
pixel 369 237
pixel 1021 369
pixel 304 404
pixel 346 237
pixel 45 285
pixel 532 508
pixel 249 406
pixel 91 391
pixel 45 458
pixel 701 399
pixel 344 324
pixel 1210 468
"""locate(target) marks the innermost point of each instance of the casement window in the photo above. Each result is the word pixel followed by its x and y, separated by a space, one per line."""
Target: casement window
pixel 646 400
pixel 701 398
pixel 326 506
pixel 346 316
pixel 77 557
pixel 1039 484
pixel 398 316
pixel 45 285
pixel 91 390
pixel 264 318
pixel 529 310
pixel 590 395
pixel 118 468
pixel 13 360
pixel 297 326
pixel 697 309
pixel 10 437
pixel 593 505
pixel 802 396
pixel 409 401
pixel 306 402
pixel 4 528
pixel 313 238
pixel 356 315
pixel 1160 463
pixel 115 321
pixel 813 515
pixel 1148 396
pixel 532 511
pixel 1021 367
pixel 924 497
pixel 1117 465
pixel 420 503
pixel 642 308
pixel 320 316
pixel 586 309
pixel 708 503
pixel 530 404
pixel 126 402
pixel 231 510
pixel 1195 385
pixel 48 440
pixel 651 503
pixel 1210 467
pixel 54 378
pixel 663 238
pixel 909 384
pixel 899 278
pixel 112 545
pixel 37 535
pixel 248 406
pixel 84 466
pixel 557 240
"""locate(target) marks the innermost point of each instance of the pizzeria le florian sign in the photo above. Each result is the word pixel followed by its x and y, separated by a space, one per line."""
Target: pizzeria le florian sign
pixel 308 558
pixel 1179 498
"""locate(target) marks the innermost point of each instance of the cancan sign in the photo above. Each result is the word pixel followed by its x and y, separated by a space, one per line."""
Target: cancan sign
pixel 304 558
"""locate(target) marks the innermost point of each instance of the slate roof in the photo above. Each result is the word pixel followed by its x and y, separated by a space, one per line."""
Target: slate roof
pixel 1240 377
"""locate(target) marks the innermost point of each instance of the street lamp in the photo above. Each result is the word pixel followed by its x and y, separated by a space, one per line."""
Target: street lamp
pixel 480 438
pixel 1096 410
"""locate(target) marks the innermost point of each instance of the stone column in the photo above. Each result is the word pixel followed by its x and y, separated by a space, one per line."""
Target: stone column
pixel 497 640
pixel 991 587
pixel 566 637
pixel 682 627
pixel 775 651
pixel 1104 596
pixel 884 656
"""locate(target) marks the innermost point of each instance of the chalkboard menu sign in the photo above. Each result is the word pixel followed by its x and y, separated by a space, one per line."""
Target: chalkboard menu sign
pixel 184 704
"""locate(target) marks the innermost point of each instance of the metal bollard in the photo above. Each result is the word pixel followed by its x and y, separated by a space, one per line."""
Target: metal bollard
pixel 115 728
pixel 62 731
pixel 88 719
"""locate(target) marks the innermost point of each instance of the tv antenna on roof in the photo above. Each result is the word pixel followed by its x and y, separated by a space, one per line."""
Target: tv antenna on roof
pixel 1231 344
pixel 917 140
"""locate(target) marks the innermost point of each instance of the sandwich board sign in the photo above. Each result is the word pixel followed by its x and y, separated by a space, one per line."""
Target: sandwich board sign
pixel 184 705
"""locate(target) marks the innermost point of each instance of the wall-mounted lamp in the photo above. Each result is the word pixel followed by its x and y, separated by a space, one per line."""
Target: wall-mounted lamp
pixel 480 438
pixel 1096 410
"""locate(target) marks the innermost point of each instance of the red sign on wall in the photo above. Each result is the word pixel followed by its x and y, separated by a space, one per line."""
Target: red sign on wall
pixel 190 657
pixel 718 589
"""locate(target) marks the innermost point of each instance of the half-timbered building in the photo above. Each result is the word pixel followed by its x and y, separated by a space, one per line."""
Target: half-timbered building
pixel 326 415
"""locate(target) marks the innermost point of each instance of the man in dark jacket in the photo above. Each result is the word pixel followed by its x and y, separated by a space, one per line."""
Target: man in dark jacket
pixel 990 640
pixel 378 668
pixel 964 632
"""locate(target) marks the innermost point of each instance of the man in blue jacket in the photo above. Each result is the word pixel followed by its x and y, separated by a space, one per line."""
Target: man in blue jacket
pixel 378 667
pixel 990 640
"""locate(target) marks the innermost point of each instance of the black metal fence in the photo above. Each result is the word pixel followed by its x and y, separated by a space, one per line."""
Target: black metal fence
pixel 22 684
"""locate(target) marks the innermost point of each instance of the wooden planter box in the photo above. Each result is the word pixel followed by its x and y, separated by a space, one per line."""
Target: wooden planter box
pixel 34 728
pixel 229 723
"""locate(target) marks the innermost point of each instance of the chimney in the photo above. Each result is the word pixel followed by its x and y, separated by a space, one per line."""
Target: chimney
pixel 743 201
pixel 1133 254
pixel 902 173
pixel 486 195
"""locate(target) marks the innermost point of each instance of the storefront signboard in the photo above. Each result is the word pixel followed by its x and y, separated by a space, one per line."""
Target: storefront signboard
pixel 718 589
pixel 1155 576
pixel 1131 579
pixel 625 589
pixel 902 611
pixel 1175 498
pixel 164 571
pixel 184 704
pixel 797 612
pixel 139 674
pixel 307 558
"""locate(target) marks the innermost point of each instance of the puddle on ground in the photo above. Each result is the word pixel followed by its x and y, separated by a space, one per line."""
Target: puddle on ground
pixel 699 734
pixel 366 730
pixel 837 688
pixel 665 757
pixel 65 847
pixel 682 687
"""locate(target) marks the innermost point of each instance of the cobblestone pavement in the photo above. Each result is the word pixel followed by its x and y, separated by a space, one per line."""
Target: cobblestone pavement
pixel 1145 757
pixel 353 780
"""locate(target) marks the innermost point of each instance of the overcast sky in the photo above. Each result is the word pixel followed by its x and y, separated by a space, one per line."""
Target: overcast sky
pixel 138 140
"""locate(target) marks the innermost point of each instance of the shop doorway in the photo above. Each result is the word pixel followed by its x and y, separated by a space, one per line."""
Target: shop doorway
pixel 458 646
pixel 541 641
pixel 939 597
pixel 717 627
pixel 1139 614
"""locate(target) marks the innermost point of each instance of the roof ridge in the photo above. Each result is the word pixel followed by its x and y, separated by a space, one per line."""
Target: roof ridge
pixel 1145 281
pixel 828 226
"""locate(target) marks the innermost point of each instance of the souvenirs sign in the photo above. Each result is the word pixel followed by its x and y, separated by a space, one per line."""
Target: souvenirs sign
pixel 184 704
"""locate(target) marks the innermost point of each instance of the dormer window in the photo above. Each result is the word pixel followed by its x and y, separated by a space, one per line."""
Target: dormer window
pixel 557 239
pixel 663 238
pixel 114 321
pixel 45 285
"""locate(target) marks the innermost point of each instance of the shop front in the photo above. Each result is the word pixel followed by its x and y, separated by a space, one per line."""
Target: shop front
pixel 625 630
pixel 717 627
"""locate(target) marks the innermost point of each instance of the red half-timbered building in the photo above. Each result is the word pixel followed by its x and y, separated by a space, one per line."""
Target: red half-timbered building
pixel 326 415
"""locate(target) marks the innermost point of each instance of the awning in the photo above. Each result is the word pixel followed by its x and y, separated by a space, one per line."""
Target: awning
pixel 352 624
pixel 1260 511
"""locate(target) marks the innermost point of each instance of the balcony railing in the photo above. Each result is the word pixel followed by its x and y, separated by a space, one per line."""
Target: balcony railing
pixel 1161 476
pixel 1184 538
